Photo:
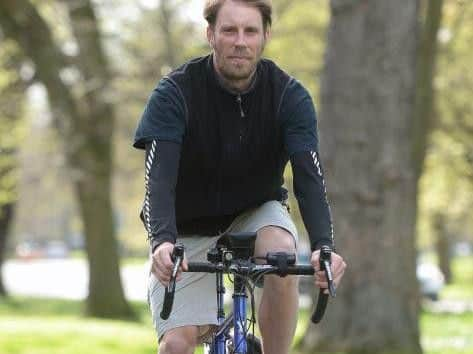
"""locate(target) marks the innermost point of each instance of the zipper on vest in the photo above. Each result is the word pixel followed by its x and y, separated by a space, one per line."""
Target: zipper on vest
pixel 242 114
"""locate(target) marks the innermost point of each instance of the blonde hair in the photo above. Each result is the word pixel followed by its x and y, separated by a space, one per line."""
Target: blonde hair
pixel 265 7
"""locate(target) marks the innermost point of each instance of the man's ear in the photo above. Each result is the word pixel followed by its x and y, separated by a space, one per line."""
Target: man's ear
pixel 267 34
pixel 211 36
pixel 267 37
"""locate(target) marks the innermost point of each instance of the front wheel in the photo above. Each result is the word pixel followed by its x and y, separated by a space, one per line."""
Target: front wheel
pixel 253 344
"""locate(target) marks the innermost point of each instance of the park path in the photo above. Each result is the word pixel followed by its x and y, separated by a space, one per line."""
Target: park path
pixel 66 278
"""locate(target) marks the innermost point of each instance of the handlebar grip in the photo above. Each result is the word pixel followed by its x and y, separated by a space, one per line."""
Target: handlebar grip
pixel 301 270
pixel 322 301
pixel 168 301
pixel 177 256
pixel 319 311
pixel 201 267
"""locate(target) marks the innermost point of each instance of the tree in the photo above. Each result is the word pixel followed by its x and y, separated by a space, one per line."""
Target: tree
pixel 11 104
pixel 144 59
pixel 7 194
pixel 442 246
pixel 367 105
pixel 425 101
pixel 425 112
pixel 6 215
pixel 167 14
pixel 84 117
pixel 445 186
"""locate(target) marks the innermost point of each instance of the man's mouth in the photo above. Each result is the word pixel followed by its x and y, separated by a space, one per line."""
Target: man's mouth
pixel 238 57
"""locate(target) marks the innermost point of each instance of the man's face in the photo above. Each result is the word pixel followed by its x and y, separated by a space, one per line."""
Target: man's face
pixel 238 40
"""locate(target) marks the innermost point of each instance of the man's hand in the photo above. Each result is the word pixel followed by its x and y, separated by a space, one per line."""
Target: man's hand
pixel 163 265
pixel 338 268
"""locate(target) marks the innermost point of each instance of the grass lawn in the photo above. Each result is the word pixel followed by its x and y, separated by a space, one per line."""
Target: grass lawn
pixel 36 326
pixel 451 333
pixel 45 326
pixel 447 333
pixel 462 286
pixel 40 326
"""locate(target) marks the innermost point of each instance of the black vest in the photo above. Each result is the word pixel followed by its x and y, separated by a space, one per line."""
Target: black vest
pixel 232 155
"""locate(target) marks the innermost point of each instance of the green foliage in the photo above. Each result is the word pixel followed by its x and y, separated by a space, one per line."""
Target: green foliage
pixel 297 45
pixel 298 40
pixel 11 127
pixel 140 58
pixel 447 183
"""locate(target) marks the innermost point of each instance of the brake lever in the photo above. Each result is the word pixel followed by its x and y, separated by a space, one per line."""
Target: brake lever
pixel 329 276
pixel 177 257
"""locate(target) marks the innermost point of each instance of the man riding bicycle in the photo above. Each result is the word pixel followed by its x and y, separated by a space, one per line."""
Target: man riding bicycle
pixel 218 133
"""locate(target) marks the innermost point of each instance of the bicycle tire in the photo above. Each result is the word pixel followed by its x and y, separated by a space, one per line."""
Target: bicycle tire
pixel 253 344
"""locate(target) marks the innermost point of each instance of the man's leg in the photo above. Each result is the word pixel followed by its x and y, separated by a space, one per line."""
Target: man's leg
pixel 180 340
pixel 279 304
pixel 194 307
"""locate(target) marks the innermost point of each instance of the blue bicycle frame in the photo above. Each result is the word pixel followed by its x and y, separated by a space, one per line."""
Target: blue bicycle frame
pixel 237 318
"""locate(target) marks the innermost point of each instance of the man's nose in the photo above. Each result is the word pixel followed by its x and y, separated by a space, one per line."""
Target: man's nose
pixel 241 39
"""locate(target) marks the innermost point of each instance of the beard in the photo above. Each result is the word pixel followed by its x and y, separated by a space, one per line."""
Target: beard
pixel 233 69
pixel 237 69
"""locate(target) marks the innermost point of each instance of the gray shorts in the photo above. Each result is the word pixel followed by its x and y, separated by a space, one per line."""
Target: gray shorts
pixel 195 301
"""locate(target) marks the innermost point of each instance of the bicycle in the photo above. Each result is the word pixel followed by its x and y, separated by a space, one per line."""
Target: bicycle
pixel 233 255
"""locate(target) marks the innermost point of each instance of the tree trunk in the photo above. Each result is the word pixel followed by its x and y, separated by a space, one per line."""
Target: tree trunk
pixel 367 105
pixel 424 116
pixel 166 14
pixel 423 122
pixel 6 216
pixel 442 246
pixel 8 188
pixel 106 297
pixel 86 124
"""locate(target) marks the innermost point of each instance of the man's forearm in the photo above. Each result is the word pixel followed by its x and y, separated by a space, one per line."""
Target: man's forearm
pixel 309 188
pixel 161 170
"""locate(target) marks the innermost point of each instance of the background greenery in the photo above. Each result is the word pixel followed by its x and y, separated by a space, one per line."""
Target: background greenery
pixel 35 176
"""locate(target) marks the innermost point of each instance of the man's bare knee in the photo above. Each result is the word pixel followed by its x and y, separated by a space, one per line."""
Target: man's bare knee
pixel 179 341
pixel 274 239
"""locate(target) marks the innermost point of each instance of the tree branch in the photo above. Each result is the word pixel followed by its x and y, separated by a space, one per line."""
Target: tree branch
pixel 21 22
